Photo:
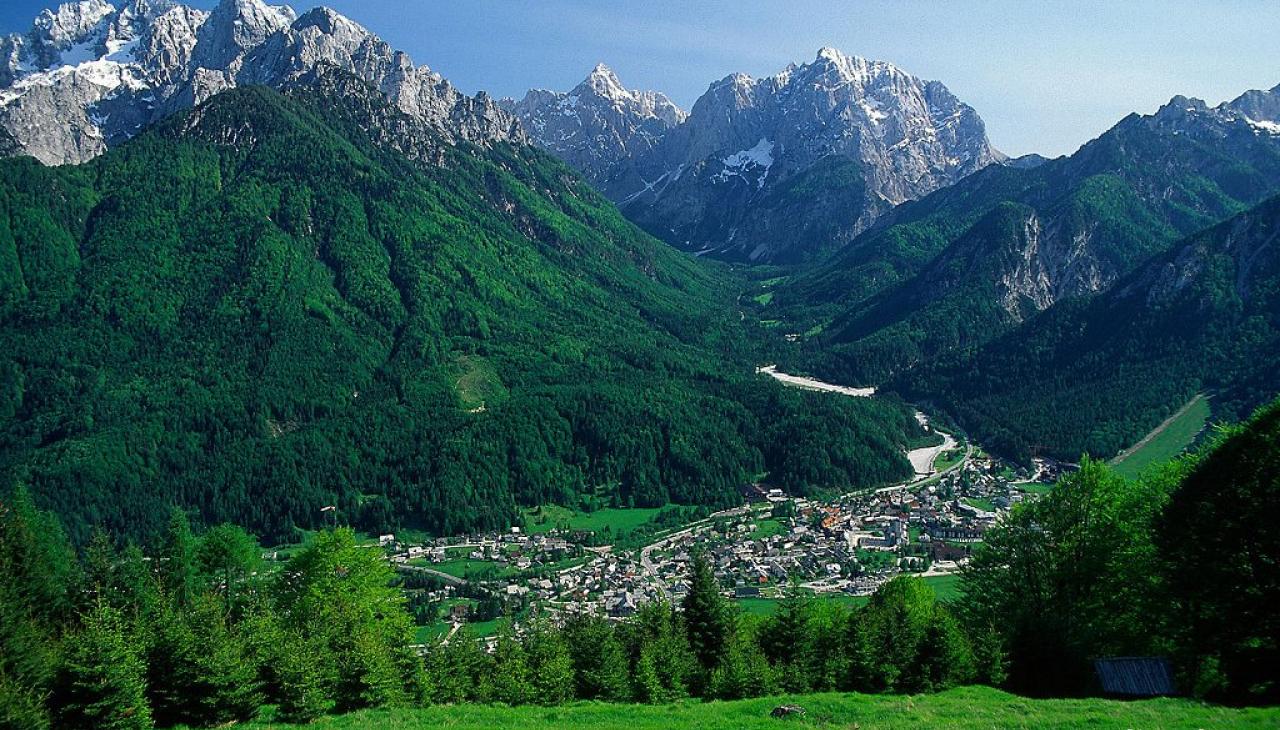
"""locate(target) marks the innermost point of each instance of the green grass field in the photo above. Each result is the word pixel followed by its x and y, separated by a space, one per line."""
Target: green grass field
pixel 1173 437
pixel 769 606
pixel 768 527
pixel 466 567
pixel 980 503
pixel 946 586
pixel 943 585
pixel 617 519
pixel 966 707
pixel 948 459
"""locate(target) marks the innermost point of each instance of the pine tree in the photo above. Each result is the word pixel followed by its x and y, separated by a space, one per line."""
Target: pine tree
pixel 229 688
pixel 944 657
pixel 37 572
pixel 707 616
pixel 339 591
pixel 102 682
pixel 860 668
pixel 171 668
pixel 649 686
pixel 743 672
pixel 512 679
pixel 550 665
pixel 227 556
pixel 303 668
pixel 599 662
pixel 789 641
pixel 459 670
pixel 367 673
pixel 664 665
pixel 177 559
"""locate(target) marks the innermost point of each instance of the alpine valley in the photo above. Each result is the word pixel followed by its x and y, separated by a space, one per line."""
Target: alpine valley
pixel 327 388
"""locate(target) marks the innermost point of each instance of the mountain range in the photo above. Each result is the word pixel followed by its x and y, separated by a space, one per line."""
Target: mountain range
pixel 825 147
pixel 948 276
pixel 262 263
pixel 89 75
pixel 597 125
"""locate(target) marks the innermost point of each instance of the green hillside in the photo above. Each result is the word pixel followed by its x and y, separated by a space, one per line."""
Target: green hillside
pixel 276 303
pixel 1096 375
pixel 963 707
pixel 953 270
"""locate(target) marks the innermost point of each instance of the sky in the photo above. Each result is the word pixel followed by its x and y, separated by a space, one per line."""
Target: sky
pixel 1045 76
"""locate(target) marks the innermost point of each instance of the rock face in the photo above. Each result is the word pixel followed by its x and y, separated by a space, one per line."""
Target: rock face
pixel 977 259
pixel 780 168
pixel 599 124
pixel 90 74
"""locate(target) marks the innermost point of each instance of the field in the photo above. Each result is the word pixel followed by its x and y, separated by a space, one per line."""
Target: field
pixel 547 518
pixel 943 585
pixel 948 459
pixel 980 503
pixel 964 707
pixel 1168 439
pixel 768 527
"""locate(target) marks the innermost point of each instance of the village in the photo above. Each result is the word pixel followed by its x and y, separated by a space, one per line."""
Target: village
pixel 771 544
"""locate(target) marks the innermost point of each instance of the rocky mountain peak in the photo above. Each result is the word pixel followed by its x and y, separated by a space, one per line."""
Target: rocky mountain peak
pixel 235 26
pixel 69 23
pixel 603 82
pixel 90 74
pixel 599 123
pixel 1256 112
pixel 874 134
pixel 329 22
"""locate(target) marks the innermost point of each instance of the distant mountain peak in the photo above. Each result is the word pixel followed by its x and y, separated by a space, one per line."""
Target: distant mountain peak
pixel 866 134
pixel 598 123
pixel 91 74
pixel 604 82
pixel 1256 111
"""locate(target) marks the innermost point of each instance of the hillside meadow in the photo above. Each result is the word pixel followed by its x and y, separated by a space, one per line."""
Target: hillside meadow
pixel 971 707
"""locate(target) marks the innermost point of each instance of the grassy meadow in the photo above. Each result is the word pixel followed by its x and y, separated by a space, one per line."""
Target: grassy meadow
pixel 968 707
pixel 1170 439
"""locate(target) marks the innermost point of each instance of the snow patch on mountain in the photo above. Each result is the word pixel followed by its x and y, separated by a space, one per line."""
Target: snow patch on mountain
pixel 758 160
pixel 1264 126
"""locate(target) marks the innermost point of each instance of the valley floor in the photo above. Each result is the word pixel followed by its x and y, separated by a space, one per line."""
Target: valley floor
pixel 966 707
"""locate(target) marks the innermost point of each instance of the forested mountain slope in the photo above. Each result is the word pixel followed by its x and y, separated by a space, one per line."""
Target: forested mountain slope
pixel 275 303
pixel 1095 375
pixel 974 260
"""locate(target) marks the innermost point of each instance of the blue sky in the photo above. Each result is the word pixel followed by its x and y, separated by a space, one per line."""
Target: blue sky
pixel 1045 76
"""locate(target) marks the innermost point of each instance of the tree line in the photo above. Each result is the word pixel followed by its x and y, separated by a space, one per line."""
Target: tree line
pixel 198 631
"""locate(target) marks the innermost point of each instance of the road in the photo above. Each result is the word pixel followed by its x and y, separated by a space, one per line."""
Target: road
pixel 921 459
pixel 646 562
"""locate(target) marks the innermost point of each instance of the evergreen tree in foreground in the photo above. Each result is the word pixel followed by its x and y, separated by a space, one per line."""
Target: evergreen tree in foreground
pixel 707 616
pixel 102 684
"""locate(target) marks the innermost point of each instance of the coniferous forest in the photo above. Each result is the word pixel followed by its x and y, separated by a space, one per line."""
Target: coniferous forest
pixel 307 318
pixel 194 631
